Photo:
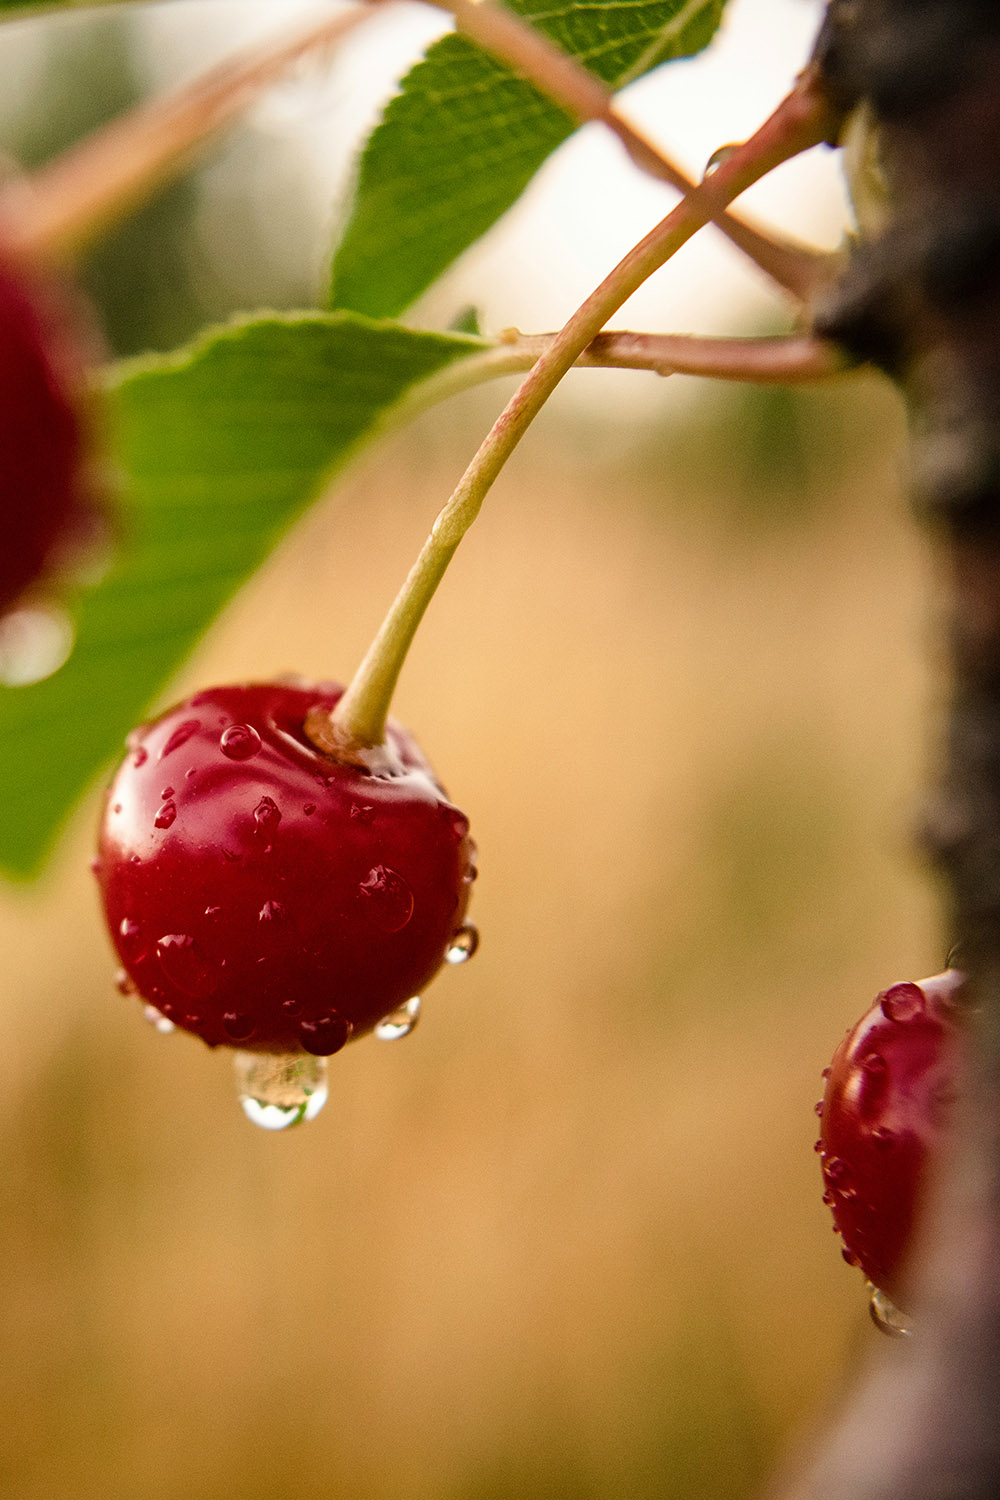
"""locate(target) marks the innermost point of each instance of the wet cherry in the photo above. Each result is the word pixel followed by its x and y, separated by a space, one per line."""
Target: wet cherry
pixel 46 508
pixel 888 1098
pixel 270 898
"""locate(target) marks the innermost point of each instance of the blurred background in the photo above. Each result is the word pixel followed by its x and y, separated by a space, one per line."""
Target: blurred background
pixel 566 1240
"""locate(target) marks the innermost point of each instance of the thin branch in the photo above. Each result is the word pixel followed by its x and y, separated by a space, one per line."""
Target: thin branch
pixel 60 209
pixel 796 268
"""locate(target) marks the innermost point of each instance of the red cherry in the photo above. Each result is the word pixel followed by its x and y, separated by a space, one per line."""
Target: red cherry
pixel 889 1092
pixel 45 506
pixel 267 897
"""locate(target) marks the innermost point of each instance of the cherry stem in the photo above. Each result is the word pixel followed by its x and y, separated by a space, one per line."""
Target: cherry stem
pixel 58 210
pixel 802 119
pixel 798 269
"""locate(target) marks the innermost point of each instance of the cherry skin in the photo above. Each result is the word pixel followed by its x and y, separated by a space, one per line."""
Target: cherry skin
pixel 265 896
pixel 45 507
pixel 887 1105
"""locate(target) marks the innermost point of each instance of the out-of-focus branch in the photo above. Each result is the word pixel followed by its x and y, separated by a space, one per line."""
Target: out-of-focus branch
pixel 57 211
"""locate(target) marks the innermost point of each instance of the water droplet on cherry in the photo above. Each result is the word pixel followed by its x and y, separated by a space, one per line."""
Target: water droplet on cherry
pixel 463 945
pixel 902 1002
pixel 185 966
pixel 325 1034
pixel 388 900
pixel 239 1025
pixel 240 741
pixel 400 1022
pixel 158 1020
pixel 180 736
pixel 166 815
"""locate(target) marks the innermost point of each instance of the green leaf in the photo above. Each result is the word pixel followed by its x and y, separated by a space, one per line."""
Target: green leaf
pixel 221 447
pixel 460 142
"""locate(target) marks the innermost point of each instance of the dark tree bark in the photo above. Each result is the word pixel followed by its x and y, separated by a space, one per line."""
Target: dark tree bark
pixel 920 297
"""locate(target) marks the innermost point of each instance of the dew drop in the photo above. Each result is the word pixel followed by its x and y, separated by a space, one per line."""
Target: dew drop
pixel 123 984
pixel 117 808
pixel 212 911
pixel 883 1137
pixel 95 865
pixel 180 736
pixel 140 757
pixel 166 815
pixel 362 812
pixel 826 1072
pixel 459 824
pixel 836 1171
pixel 292 1007
pixel 388 900
pixel 185 966
pixel 167 793
pixel 128 931
pixel 818 1108
pixel 34 643
pixel 267 816
pixel 463 945
pixel 720 156
pixel 309 809
pixel 850 1257
pixel 158 1020
pixel 278 1090
pixel 239 741
pixel 271 911
pixel 239 1025
pixel 819 1148
pixel 829 1198
pixel 325 1034
pixel 400 1022
pixel 874 1065
pixel 902 1002
pixel 887 1317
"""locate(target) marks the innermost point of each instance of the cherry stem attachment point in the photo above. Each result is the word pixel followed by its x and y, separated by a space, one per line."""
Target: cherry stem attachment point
pixel 803 119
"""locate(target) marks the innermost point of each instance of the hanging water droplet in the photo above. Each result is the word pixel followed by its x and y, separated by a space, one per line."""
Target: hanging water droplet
pixel 902 1002
pixel 388 900
pixel 34 643
pixel 239 741
pixel 887 1317
pixel 400 1022
pixel 157 1019
pixel 721 155
pixel 123 983
pixel 463 945
pixel 278 1090
pixel 180 736
pixel 140 756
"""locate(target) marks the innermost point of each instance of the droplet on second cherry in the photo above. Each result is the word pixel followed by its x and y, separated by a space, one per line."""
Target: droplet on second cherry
pixel 887 1317
pixel 239 741
pixel 720 156
pixel 463 945
pixel 400 1022
pixel 278 1090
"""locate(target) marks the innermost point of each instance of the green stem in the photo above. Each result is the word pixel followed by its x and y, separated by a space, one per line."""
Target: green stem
pixel 358 723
